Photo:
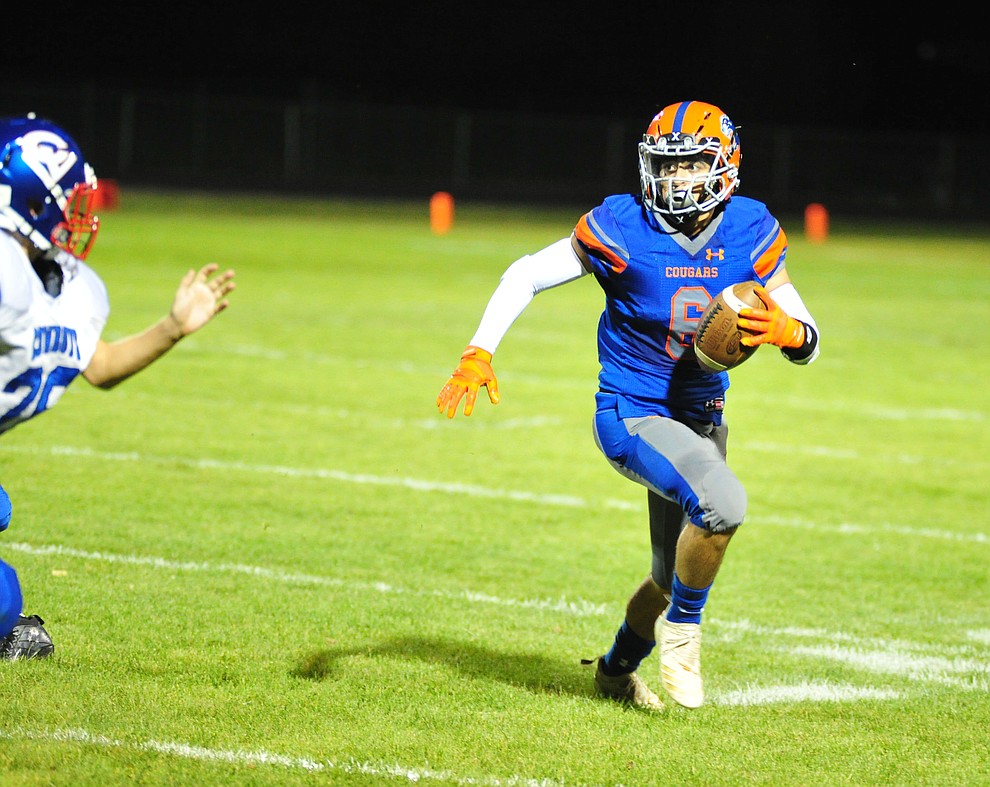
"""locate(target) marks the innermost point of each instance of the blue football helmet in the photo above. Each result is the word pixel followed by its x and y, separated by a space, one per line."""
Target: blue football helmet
pixel 47 190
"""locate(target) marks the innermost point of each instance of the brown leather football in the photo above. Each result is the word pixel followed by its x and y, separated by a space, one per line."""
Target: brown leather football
pixel 716 343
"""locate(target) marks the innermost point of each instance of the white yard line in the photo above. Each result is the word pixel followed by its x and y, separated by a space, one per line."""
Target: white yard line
pixel 964 666
pixel 803 692
pixel 873 529
pixel 478 491
pixel 256 758
pixel 331 474
pixel 848 408
pixel 969 674
pixel 576 607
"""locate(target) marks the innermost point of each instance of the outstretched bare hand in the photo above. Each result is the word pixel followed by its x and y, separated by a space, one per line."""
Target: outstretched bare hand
pixel 200 298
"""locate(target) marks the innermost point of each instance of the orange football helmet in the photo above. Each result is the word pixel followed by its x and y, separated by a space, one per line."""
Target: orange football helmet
pixel 688 160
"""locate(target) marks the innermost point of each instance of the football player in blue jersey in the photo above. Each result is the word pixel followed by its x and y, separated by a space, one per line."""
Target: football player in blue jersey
pixel 10 587
pixel 660 256
pixel 21 637
pixel 53 306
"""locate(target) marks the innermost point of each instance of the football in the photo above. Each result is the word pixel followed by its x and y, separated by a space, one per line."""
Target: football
pixel 716 344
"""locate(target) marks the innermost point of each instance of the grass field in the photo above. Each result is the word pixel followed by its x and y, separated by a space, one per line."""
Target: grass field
pixel 268 560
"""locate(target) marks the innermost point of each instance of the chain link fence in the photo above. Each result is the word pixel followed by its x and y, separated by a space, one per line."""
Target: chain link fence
pixel 206 140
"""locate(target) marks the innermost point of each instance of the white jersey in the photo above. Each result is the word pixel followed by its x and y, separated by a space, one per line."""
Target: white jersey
pixel 45 342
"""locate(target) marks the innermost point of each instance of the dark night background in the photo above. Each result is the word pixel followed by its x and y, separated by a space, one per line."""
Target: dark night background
pixel 787 62
pixel 892 85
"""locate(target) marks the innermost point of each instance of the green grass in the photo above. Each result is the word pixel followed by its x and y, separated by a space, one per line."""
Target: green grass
pixel 268 560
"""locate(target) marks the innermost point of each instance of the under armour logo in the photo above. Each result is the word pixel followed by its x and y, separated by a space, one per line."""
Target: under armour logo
pixel 711 254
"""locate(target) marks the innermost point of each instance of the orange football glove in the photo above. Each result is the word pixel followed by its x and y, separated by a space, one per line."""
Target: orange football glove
pixel 770 325
pixel 473 372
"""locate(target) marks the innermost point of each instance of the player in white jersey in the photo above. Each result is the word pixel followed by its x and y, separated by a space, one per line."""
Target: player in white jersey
pixel 53 306
pixel 47 341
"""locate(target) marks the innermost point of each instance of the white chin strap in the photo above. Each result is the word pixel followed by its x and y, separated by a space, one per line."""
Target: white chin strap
pixel 11 221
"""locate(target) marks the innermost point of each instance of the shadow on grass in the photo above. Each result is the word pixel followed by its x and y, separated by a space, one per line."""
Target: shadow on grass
pixel 533 672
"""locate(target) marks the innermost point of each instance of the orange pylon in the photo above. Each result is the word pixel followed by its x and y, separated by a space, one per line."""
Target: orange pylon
pixel 816 223
pixel 441 212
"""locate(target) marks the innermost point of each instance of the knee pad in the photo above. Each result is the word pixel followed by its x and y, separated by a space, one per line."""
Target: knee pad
pixel 11 602
pixel 724 500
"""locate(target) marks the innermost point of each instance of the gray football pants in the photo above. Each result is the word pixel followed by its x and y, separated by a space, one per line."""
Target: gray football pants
pixel 683 467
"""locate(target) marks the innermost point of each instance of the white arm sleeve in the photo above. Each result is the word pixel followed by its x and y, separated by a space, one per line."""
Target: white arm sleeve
pixel 789 300
pixel 556 264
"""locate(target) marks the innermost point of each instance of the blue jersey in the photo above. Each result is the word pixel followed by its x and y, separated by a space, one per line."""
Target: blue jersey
pixel 657 282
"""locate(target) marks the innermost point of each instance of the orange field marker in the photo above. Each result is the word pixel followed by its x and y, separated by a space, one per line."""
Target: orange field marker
pixel 441 212
pixel 816 223
pixel 107 195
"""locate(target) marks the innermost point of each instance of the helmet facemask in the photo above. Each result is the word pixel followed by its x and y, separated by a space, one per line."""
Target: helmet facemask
pixel 683 178
pixel 77 230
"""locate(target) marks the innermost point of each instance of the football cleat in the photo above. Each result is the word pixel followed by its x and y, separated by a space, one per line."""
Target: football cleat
pixel 688 161
pixel 680 662
pixel 28 640
pixel 628 688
